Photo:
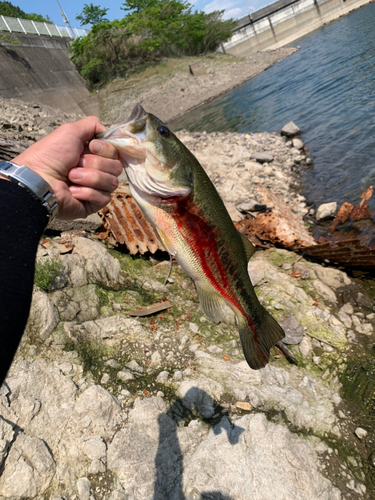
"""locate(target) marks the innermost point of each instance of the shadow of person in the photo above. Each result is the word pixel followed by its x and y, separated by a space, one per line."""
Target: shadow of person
pixel 169 458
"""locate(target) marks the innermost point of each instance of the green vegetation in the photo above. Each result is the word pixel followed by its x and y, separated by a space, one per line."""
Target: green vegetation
pixel 151 30
pixel 46 273
pixel 92 14
pixel 9 40
pixel 7 9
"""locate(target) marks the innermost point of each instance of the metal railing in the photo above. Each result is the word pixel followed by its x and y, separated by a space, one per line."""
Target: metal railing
pixel 16 25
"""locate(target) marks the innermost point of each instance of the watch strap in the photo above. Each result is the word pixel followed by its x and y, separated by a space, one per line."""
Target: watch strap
pixel 26 178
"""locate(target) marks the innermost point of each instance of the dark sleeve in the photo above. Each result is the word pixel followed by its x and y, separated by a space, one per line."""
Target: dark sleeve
pixel 22 222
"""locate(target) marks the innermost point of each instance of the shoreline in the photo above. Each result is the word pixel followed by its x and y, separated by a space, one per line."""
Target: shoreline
pixel 169 97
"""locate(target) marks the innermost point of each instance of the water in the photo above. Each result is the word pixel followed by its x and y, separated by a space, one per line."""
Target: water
pixel 328 89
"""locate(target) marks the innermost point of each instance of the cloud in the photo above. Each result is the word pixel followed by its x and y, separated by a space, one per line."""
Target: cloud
pixel 233 8
pixel 218 5
pixel 235 13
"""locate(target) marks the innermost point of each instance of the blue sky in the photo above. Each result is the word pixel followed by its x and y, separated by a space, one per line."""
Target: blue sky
pixel 233 8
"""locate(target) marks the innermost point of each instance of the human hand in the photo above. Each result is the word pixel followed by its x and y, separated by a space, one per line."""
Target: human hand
pixel 82 175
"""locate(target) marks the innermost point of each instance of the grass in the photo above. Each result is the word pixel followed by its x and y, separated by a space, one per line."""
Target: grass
pixel 46 273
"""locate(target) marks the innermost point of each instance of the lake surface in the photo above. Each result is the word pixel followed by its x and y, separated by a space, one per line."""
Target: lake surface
pixel 327 88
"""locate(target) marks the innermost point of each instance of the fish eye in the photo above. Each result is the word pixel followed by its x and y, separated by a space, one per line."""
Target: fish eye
pixel 163 131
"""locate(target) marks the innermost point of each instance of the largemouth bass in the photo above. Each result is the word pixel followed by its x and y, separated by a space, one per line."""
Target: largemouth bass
pixel 178 198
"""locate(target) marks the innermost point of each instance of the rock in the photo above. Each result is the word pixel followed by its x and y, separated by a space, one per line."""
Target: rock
pixel 326 210
pixel 243 405
pixel 100 266
pixel 96 467
pixel 305 347
pixel 96 411
pixel 332 277
pixel 347 308
pixel 29 468
pixel 112 363
pixel 94 447
pixel 118 495
pixel 42 402
pixel 43 317
pixel 256 271
pixel 201 395
pixel 83 487
pixel 293 329
pixel 300 268
pixel 125 376
pixel 297 143
pixel 247 206
pixel 245 452
pixel 150 284
pixel 110 330
pixel 80 303
pixel 91 224
pixel 360 433
pixel 134 367
pixel 156 359
pixel 214 349
pixel 6 437
pixel 290 129
pixel 262 157
pixel 194 327
pixel 197 69
pixel 162 377
pixel 325 291
pixel 235 215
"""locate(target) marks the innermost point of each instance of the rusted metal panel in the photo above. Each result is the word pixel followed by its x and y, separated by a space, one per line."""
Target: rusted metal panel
pixel 279 226
pixel 351 245
pixel 353 213
pixel 128 226
pixel 346 252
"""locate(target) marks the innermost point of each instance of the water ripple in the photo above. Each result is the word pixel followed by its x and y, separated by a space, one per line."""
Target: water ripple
pixel 328 89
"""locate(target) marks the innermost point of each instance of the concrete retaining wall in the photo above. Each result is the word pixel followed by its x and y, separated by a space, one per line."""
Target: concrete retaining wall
pixel 39 69
pixel 284 22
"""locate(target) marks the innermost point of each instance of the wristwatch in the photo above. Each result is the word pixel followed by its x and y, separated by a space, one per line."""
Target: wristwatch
pixel 33 182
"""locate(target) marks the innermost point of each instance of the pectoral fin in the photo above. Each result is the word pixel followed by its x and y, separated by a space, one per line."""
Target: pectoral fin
pixel 213 305
pixel 249 247
pixel 166 242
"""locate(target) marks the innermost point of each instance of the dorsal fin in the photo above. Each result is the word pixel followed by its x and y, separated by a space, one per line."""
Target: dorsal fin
pixel 249 247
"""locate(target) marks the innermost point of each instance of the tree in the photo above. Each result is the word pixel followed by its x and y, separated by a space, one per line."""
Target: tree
pixel 153 29
pixel 38 17
pixel 7 9
pixel 92 14
pixel 138 5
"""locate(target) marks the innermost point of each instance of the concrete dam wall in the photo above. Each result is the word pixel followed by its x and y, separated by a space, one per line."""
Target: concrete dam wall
pixel 285 21
pixel 38 68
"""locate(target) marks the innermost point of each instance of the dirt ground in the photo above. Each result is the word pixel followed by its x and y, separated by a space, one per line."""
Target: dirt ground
pixel 168 90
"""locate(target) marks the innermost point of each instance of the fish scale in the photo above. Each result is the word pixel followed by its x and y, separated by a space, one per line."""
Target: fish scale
pixel 178 198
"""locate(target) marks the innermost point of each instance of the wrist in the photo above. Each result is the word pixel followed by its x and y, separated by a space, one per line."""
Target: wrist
pixel 28 179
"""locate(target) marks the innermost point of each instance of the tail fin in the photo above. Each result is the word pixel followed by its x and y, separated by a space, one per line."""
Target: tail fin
pixel 258 339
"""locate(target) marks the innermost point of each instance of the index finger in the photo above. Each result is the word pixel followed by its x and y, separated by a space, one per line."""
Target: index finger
pixel 102 148
pixel 88 127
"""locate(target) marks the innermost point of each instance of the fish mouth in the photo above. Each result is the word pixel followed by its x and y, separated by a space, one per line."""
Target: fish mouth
pixel 123 135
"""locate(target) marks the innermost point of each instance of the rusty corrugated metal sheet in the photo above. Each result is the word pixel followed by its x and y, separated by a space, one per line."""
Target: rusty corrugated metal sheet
pixel 128 226
pixel 351 245
pixel 353 213
pixel 345 252
pixel 280 225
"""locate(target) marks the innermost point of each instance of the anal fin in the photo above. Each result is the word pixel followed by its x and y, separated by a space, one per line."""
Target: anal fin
pixel 213 306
